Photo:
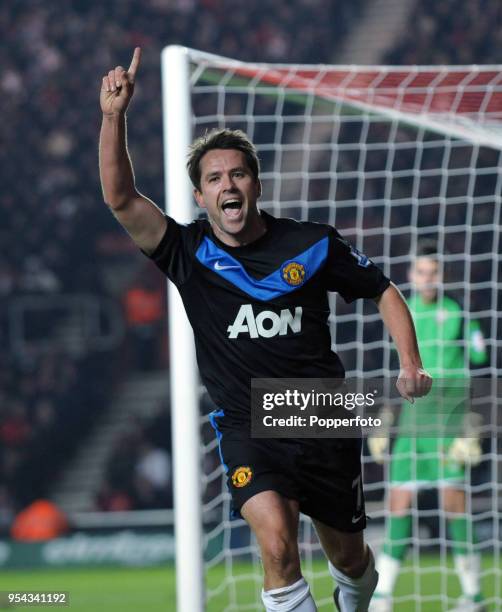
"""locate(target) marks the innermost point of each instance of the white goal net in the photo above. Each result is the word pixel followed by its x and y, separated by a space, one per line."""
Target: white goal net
pixel 387 155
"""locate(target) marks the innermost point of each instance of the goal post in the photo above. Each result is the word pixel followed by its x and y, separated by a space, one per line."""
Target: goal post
pixel 184 384
pixel 388 155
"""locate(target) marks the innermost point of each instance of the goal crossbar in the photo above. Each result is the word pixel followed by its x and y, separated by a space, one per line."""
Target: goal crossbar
pixel 451 100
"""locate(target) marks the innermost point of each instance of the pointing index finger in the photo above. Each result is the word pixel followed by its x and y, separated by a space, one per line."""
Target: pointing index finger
pixel 133 68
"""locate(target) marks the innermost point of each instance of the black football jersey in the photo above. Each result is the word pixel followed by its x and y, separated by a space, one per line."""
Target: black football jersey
pixel 261 310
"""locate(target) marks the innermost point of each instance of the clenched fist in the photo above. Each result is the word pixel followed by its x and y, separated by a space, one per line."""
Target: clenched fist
pixel 118 86
pixel 413 382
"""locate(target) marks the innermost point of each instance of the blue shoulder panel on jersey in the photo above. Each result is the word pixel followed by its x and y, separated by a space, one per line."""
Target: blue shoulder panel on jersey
pixel 291 275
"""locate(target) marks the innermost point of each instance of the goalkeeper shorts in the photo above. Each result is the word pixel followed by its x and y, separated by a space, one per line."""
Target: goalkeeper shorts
pixel 421 462
pixel 323 475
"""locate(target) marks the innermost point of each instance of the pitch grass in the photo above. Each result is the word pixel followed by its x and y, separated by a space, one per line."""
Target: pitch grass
pixel 153 589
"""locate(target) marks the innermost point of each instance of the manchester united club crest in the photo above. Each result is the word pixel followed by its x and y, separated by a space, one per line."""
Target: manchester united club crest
pixel 242 476
pixel 293 273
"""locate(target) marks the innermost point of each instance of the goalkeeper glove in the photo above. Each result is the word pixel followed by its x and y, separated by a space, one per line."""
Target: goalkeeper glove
pixel 379 445
pixel 467 450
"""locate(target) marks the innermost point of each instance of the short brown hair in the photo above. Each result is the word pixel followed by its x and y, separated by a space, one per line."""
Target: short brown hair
pixel 427 247
pixel 221 139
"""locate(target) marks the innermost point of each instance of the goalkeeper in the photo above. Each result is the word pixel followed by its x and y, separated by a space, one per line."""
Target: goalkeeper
pixel 421 462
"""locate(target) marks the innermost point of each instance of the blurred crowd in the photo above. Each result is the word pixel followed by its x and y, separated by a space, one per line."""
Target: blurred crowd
pixel 47 404
pixel 138 474
pixel 451 32
pixel 57 237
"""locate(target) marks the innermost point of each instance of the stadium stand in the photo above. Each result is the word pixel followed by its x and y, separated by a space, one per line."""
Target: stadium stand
pixel 450 32
pixel 46 408
pixel 138 471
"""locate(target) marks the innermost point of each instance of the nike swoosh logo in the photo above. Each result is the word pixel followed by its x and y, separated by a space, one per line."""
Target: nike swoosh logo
pixel 218 266
pixel 355 519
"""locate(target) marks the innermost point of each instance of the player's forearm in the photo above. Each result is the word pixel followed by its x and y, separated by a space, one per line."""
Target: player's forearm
pixel 117 178
pixel 397 319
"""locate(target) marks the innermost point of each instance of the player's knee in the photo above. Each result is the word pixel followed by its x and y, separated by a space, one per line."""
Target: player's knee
pixel 351 563
pixel 400 501
pixel 454 502
pixel 280 556
pixel 454 507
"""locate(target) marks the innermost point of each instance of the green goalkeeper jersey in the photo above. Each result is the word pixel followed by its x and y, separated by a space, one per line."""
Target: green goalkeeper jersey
pixel 447 345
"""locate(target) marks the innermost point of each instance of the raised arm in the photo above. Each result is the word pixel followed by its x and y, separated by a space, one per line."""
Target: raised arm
pixel 139 216
pixel 413 380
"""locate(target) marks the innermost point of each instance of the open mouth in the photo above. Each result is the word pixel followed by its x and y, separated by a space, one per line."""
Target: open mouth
pixel 232 208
